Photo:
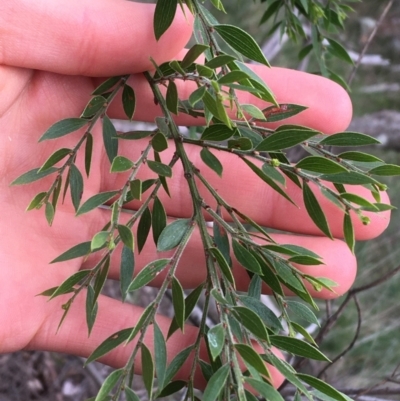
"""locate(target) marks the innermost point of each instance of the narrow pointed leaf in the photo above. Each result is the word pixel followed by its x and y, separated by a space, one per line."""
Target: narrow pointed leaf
pixel 160 355
pixel 159 219
pixel 320 164
pixel 172 234
pixel 252 357
pixel 163 16
pixel 233 76
pixel 301 311
pixel 88 153
pixel 147 369
pixel 70 282
pixel 242 42
pixel 109 384
pixel 216 340
pixel 126 235
pixel 177 363
pixel 264 389
pixel 106 85
pixel 131 395
pixel 95 201
pixel 217 132
pixel 220 61
pixel 285 139
pixel 95 104
pixel 110 138
pixel 36 201
pixel 193 54
pixel 63 127
pixel 251 321
pixel 216 383
pixel 385 170
pixel 339 51
pixel 54 158
pixel 147 274
pixel 91 308
pixel 33 175
pixel 283 111
pixel 298 347
pixel 143 229
pixel 172 97
pixel 349 139
pixel 178 301
pixel 49 213
pixel 315 211
pixel 77 251
pixel 160 168
pixel 76 185
pixel 348 231
pixel 99 240
pixel 223 264
pixel 245 258
pixel 126 270
pixel 197 95
pixel 128 101
pixel 323 387
pixel 211 161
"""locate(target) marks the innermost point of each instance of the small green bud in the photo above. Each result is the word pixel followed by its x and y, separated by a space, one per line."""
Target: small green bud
pixel 365 220
pixel 275 163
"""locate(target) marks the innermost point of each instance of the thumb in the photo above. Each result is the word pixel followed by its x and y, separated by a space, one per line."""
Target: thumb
pixel 85 37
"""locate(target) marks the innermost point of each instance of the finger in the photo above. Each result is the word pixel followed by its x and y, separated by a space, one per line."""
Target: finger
pixel 244 190
pixel 329 106
pixel 82 37
pixel 113 316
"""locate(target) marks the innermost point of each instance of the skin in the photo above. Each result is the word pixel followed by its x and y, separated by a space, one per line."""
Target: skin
pixel 52 55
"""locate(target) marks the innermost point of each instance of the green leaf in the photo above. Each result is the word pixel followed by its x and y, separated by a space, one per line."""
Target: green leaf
pixel 223 264
pixel 220 61
pixel 242 42
pixel 96 201
pixel 305 260
pixel 358 200
pixel 33 175
pixel 120 164
pixel 91 308
pixel 351 178
pixel 216 340
pixel 240 143
pixel 163 16
pixel 285 139
pixel 192 55
pixel 54 158
pixel 251 357
pixel 178 301
pixel 76 184
pixel 197 95
pixel 216 383
pixel 387 170
pixel 298 347
pixel 211 161
pixel 142 320
pixel 349 139
pixel 143 228
pixel 320 164
pixel 267 316
pixel 339 51
pixel 49 213
pixel 190 303
pixel 160 355
pixel 172 234
pixel 101 278
pixel 128 101
pixel 204 71
pixel 126 236
pixel 63 127
pixel 268 180
pixel 253 111
pixel 109 384
pixel 136 189
pixel 130 394
pixel 264 389
pixel 70 282
pixel 94 105
pixel 147 274
pixel 301 311
pixel 172 97
pixel 99 240
pixel 245 257
pixel 36 202
pixel 282 112
pixel 176 66
pixel 172 388
pixel 177 363
pixel 323 387
pixel 217 132
pixel 159 219
pixel 106 85
pixel 348 232
pixel 359 157
pixel 135 135
pixel 160 168
pixel 88 152
pixel 110 138
pixel 315 211
pixel 233 76
pixel 126 270
pixel 77 251
pixel 251 321
pixel 159 142
pixel 147 369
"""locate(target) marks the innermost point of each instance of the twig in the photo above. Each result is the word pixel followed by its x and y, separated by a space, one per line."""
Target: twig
pixel 370 38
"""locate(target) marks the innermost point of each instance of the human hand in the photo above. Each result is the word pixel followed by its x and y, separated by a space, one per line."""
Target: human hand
pixel 52 53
